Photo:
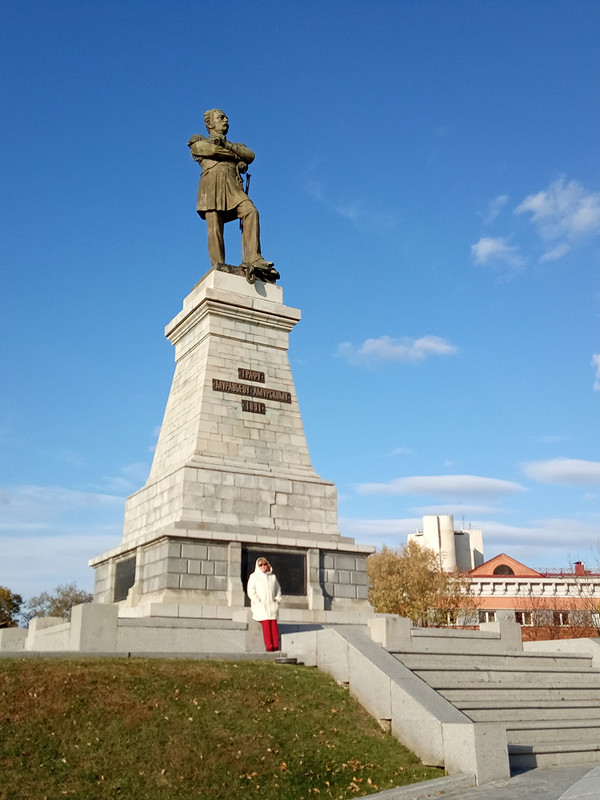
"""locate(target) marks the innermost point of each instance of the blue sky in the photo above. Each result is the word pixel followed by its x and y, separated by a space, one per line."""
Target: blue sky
pixel 428 179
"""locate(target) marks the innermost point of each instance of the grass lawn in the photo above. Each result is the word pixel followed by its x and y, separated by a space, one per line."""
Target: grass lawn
pixel 146 729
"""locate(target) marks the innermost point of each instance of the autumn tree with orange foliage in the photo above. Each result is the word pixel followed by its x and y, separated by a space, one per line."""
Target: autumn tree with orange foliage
pixel 409 581
pixel 10 605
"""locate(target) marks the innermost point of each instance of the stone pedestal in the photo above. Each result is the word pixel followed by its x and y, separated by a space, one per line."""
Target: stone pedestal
pixel 231 477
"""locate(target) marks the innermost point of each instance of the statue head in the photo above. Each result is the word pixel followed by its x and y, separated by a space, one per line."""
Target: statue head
pixel 216 120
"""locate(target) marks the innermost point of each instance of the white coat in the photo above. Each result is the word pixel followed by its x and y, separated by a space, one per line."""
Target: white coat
pixel 265 594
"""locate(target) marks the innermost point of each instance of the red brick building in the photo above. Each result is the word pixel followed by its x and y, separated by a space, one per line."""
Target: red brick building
pixel 556 603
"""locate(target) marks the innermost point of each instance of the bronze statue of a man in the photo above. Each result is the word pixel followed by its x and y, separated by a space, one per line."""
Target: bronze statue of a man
pixel 221 195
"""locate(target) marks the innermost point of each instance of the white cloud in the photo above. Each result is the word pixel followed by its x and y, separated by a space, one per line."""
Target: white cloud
pixel 557 252
pixel 563 209
pixel 460 512
pixel 567 471
pixel 540 543
pixel 563 214
pixel 401 451
pixel 496 250
pixel 457 485
pixel 379 532
pixel 379 527
pixel 596 364
pixel 544 541
pixel 495 208
pixel 131 478
pixel 404 350
pixel 32 564
pixel 364 215
pixel 553 438
pixel 27 502
pixel 48 534
pixel 566 212
pixel 314 189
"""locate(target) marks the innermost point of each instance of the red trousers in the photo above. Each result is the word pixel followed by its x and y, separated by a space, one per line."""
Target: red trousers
pixel 270 634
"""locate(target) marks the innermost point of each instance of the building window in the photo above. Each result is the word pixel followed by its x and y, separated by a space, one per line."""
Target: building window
pixel 487 616
pixel 503 569
pixel 523 617
pixel 561 618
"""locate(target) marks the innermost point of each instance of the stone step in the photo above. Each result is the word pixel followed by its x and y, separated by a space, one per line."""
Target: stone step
pixel 452 661
pixel 504 695
pixel 553 755
pixel 497 712
pixel 517 679
pixel 535 733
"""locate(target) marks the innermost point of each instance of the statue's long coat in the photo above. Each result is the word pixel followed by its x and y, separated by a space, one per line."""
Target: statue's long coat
pixel 221 187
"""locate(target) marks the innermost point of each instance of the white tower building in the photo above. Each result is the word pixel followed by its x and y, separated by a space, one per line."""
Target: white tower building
pixel 459 550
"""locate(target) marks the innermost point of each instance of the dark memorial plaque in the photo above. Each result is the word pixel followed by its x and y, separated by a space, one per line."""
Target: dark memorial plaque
pixel 124 578
pixel 262 392
pixel 290 568
pixel 251 375
pixel 254 407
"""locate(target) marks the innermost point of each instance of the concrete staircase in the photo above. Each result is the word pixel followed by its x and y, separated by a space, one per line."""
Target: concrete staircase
pixel 477 702
pixel 549 702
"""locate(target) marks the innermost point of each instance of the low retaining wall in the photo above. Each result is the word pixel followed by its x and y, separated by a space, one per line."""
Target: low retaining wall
pixel 97 628
pixel 164 628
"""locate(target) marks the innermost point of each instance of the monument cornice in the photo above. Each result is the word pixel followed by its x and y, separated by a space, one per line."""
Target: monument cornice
pixel 219 307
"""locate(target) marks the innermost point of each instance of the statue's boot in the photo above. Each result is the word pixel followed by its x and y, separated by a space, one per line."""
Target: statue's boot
pixel 262 263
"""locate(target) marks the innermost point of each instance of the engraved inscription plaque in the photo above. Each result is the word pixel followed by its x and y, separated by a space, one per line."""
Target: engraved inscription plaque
pixel 290 568
pixel 251 375
pixel 124 578
pixel 254 407
pixel 261 392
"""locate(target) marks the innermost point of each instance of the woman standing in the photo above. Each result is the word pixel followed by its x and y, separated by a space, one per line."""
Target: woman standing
pixel 265 595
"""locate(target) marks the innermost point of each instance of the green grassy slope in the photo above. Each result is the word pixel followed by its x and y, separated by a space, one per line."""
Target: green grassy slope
pixel 164 729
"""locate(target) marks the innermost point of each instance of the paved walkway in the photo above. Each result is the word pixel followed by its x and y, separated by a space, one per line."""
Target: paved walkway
pixel 556 783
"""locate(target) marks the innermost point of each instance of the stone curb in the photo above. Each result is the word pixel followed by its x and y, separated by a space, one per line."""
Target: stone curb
pixel 75 654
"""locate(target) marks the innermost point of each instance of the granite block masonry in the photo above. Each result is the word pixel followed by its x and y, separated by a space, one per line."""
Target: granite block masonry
pixel 231 477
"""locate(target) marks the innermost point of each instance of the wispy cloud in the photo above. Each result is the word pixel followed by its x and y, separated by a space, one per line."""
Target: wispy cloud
pixel 130 478
pixel 566 212
pixel 596 364
pixel 538 543
pixel 553 438
pixel 52 561
pixel 460 511
pixel 566 471
pixel 563 215
pixel 379 532
pixel 314 189
pixel 26 503
pixel 557 252
pixel 48 534
pixel 454 485
pixel 400 451
pixel 496 251
pixel 362 214
pixel 495 208
pixel 380 527
pixel 405 350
